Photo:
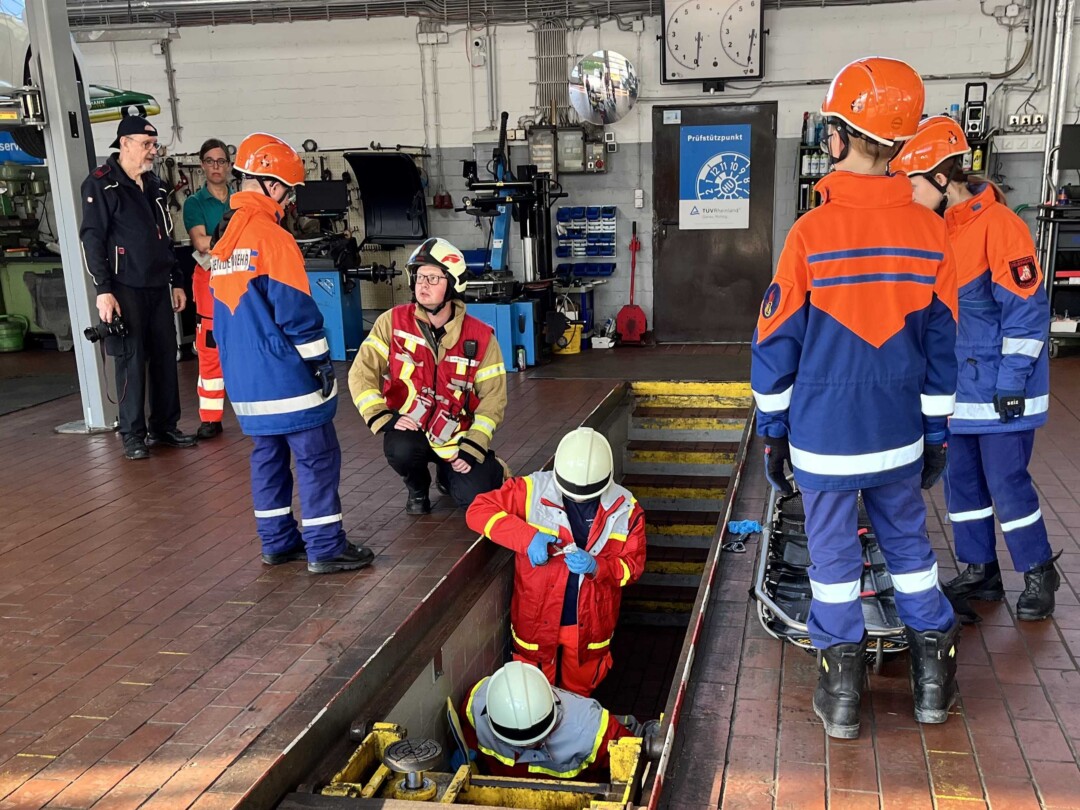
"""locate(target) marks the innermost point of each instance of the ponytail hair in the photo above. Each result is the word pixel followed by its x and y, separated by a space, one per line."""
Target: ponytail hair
pixel 953 169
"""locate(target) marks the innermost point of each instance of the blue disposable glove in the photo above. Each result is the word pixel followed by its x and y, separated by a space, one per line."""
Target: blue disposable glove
pixel 580 562
pixel 457 760
pixel 537 551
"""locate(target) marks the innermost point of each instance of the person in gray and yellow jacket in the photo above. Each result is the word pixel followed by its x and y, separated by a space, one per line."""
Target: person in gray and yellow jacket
pixel 430 379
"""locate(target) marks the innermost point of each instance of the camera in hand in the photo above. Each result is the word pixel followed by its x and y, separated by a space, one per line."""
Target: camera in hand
pixel 103 330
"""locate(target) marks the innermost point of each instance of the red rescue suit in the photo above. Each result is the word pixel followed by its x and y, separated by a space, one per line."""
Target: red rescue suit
pixel 511 516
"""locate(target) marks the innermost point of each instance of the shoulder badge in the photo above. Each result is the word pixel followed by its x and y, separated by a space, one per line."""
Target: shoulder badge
pixel 771 303
pixel 102 171
pixel 1024 272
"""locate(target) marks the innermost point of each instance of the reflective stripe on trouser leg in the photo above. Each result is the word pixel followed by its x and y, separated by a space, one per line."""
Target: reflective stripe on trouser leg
pixel 898 514
pixel 318 472
pixel 832 520
pixel 271 492
pixel 1005 458
pixel 968 500
pixel 211 385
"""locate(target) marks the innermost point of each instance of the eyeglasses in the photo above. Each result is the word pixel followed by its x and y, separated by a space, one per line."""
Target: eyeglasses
pixel 430 280
pixel 216 163
pixel 146 146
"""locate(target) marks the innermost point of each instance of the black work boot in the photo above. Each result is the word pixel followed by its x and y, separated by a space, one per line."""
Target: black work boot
pixel 978 581
pixel 208 430
pixel 418 504
pixel 1037 600
pixel 841 673
pixel 350 559
pixel 933 672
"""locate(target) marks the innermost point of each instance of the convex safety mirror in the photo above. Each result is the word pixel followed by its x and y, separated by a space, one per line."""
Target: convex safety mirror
pixel 603 87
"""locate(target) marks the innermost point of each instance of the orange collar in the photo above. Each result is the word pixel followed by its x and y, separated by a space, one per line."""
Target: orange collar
pixel 858 190
pixel 964 212
pixel 257 201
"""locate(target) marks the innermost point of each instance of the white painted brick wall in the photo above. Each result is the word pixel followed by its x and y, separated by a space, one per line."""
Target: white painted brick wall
pixel 347 83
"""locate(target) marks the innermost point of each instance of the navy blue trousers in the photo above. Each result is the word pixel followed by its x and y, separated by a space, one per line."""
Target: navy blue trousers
pixel 318 472
pixel 988 474
pixel 898 515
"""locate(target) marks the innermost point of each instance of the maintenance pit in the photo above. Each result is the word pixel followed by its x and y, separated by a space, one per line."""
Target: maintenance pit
pixel 679 447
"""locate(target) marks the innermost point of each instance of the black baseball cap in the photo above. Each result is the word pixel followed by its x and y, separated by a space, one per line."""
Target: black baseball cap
pixel 132 125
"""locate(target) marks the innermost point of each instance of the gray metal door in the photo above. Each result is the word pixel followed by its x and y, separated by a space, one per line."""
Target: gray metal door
pixel 708 282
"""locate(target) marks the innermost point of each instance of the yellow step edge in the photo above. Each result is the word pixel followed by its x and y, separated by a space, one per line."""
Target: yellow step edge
pixel 687 423
pixel 681 457
pixel 681 493
pixel 671 401
pixel 670 567
pixel 694 529
pixel 660 387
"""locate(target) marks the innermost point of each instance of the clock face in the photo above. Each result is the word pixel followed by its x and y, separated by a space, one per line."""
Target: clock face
pixel 706 40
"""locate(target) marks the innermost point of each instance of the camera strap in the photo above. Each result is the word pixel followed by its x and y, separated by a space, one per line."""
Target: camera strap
pixel 105 374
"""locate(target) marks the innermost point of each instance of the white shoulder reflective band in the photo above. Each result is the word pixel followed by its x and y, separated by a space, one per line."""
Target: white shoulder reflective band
pixel 269 513
pixel 837 593
pixel 271 407
pixel 321 521
pixel 375 343
pixel 976 514
pixel 212 384
pixel 491 372
pixel 772 403
pixel 916 582
pixel 938 404
pixel 822 464
pixel 1029 347
pixel 1020 523
pixel 979 411
pixel 313 349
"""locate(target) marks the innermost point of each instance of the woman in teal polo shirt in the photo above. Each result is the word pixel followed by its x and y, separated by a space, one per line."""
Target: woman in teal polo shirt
pixel 203 210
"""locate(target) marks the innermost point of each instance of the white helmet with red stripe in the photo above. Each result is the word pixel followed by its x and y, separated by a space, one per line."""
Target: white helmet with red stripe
pixel 436 252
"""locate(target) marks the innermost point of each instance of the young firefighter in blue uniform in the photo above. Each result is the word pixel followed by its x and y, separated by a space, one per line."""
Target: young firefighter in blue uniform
pixel 276 365
pixel 1003 387
pixel 854 375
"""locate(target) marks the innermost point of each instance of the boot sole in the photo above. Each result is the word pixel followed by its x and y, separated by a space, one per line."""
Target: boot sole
pixel 837 731
pixel 1034 617
pixel 333 568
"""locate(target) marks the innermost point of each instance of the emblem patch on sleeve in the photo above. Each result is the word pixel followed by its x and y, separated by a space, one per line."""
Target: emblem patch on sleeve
pixel 1024 272
pixel 771 303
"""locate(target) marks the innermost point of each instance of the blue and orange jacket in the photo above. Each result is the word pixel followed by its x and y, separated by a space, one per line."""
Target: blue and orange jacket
pixel 267 326
pixel 1004 316
pixel 853 356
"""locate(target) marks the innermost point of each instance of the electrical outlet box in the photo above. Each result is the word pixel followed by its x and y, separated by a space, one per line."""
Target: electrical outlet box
pixel 1014 120
pixel 511 134
pixel 612 146
pixel 1012 10
pixel 1038 119
pixel 520 134
pixel 637 26
pixel 639 198
pixel 1025 120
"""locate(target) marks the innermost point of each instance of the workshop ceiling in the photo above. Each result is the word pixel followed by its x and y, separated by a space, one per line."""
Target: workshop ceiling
pixel 103 14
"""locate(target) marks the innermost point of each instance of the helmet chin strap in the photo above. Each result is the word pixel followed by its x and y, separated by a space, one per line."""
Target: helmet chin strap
pixel 432 310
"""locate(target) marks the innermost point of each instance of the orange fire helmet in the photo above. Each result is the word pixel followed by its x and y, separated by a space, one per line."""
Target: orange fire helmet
pixel 939 138
pixel 879 97
pixel 262 155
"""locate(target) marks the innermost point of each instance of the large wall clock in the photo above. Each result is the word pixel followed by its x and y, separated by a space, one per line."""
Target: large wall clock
pixel 712 40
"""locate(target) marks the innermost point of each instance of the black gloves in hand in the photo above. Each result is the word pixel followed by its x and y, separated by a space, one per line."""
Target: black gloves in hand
pixel 776 453
pixel 324 373
pixel 933 463
pixel 1009 404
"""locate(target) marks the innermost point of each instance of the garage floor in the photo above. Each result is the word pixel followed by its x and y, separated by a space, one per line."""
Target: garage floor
pixel 150 660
